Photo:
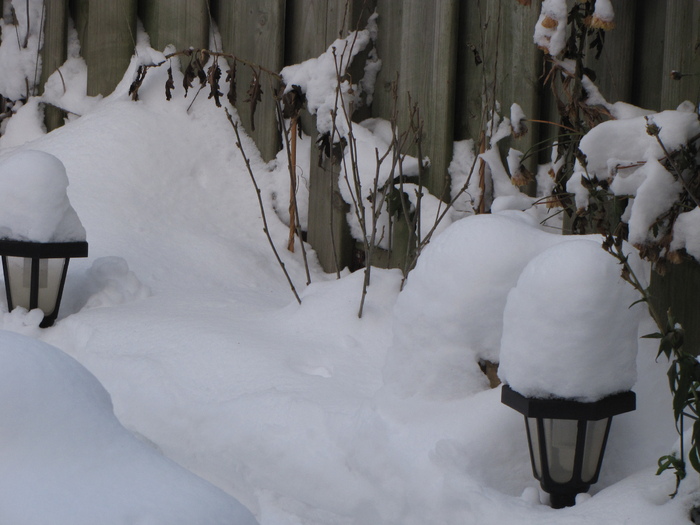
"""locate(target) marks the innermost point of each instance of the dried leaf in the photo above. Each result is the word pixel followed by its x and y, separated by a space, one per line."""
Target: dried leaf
pixel 293 101
pixel 136 84
pixel 254 96
pixel 188 77
pixel 213 76
pixel 169 84
pixel 231 81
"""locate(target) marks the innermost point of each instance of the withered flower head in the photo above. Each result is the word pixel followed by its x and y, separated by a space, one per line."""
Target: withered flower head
pixel 596 22
pixel 549 22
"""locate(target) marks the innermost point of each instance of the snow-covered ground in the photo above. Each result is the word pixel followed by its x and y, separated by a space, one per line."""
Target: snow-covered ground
pixel 303 413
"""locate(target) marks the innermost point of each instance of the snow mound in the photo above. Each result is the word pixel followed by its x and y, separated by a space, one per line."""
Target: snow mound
pixel 455 297
pixel 575 286
pixel 35 202
pixel 63 446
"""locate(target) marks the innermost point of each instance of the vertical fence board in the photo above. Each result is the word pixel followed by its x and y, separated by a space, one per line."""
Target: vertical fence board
pixel 614 68
pixel 470 72
pixel 181 23
pixel 53 52
pixel 678 290
pixel 306 30
pixel 254 31
pixel 519 67
pixel 428 73
pixel 389 33
pixel 107 33
pixel 648 59
pixel 681 53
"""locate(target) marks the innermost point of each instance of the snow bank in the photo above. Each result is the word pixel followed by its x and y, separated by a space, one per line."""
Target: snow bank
pixel 35 203
pixel 568 329
pixel 63 447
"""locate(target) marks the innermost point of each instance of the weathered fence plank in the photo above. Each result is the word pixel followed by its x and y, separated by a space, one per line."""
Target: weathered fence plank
pixel 678 290
pixel 254 30
pixel 510 52
pixel 681 53
pixel 107 33
pixel 471 72
pixel 427 64
pixel 53 53
pixel 650 31
pixel 181 23
pixel 388 34
pixel 614 69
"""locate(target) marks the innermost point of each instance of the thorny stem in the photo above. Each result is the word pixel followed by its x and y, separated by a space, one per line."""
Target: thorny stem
pixel 239 145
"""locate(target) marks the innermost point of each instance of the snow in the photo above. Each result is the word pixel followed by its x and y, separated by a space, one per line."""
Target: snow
pixel 550 30
pixel 655 195
pixel 464 175
pixel 303 413
pixel 604 11
pixel 35 201
pixel 577 285
pixel 318 79
pixel 19 51
pixel 623 153
pixel 686 233
pixel 61 441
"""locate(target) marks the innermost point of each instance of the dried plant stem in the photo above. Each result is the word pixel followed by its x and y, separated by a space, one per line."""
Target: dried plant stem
pixel 292 186
pixel 239 145
pixel 292 173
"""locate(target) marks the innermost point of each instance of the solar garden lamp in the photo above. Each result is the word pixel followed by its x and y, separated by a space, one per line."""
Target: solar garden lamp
pixel 39 231
pixel 35 274
pixel 567 439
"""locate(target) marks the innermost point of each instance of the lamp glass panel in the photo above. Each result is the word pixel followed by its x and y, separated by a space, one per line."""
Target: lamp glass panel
pixel 20 276
pixel 560 440
pixel 534 442
pixel 595 437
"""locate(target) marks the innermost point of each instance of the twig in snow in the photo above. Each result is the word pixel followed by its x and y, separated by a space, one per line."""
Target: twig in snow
pixel 239 145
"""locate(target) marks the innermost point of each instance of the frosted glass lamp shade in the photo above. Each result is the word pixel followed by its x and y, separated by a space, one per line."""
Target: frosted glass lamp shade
pixel 35 274
pixel 567 439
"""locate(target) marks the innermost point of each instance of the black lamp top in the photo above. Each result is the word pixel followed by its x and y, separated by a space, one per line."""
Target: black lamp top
pixel 559 408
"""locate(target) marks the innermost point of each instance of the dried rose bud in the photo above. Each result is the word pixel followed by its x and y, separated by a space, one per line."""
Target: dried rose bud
pixel 519 130
pixel 552 202
pixel 675 257
pixel 549 22
pixel 521 177
pixel 524 2
pixel 595 22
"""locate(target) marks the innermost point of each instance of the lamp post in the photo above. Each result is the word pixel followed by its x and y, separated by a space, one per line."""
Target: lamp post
pixel 35 273
pixel 567 439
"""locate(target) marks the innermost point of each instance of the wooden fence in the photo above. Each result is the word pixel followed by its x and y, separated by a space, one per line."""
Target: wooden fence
pixel 449 56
